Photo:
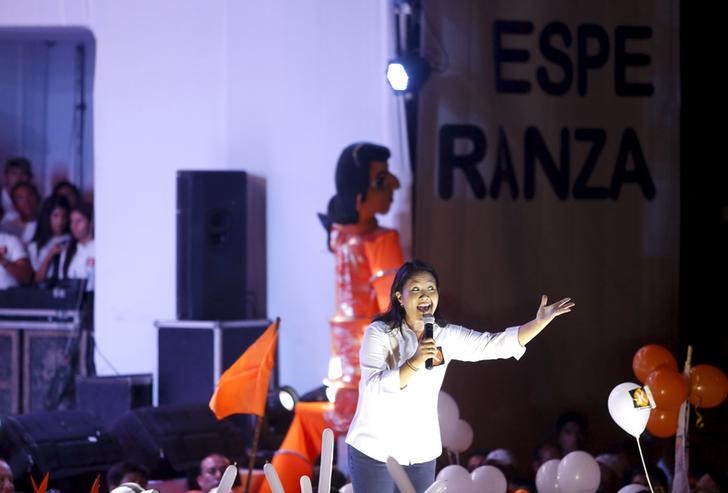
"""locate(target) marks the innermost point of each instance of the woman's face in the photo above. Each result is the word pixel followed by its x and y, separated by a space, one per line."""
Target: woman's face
pixel 26 202
pixel 80 227
pixel 419 296
pixel 59 221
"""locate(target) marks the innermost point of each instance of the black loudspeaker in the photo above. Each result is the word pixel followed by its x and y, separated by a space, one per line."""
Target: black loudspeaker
pixel 193 354
pixel 62 443
pixel 220 246
pixel 108 397
pixel 171 440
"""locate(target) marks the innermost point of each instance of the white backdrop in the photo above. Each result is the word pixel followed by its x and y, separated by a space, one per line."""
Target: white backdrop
pixel 276 89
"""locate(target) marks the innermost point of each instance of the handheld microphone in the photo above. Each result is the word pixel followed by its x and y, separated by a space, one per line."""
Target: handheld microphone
pixel 429 322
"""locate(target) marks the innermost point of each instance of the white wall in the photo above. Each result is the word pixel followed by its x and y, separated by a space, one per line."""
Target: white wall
pixel 177 86
pixel 308 80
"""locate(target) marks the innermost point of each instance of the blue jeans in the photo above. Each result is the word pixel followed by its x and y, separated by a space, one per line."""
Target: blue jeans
pixel 371 476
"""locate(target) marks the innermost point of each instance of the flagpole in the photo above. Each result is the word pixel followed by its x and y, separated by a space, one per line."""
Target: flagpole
pixel 253 452
pixel 680 483
pixel 256 435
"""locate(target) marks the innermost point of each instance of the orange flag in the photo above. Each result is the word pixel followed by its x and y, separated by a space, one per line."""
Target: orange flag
pixel 43 485
pixel 243 388
pixel 97 484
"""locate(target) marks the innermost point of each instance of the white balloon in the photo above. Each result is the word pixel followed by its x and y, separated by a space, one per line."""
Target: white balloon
pixel 437 487
pixel 456 477
pixel 546 481
pixel 631 419
pixel 400 477
pixel 347 488
pixel 306 486
pixel 447 413
pixel 633 488
pixel 227 480
pixel 489 479
pixel 460 438
pixel 273 480
pixel 578 472
pixel 327 459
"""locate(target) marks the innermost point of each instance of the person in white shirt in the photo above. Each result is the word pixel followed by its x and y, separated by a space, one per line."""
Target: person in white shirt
pixel 396 413
pixel 52 236
pixel 15 266
pixel 17 170
pixel 26 200
pixel 79 260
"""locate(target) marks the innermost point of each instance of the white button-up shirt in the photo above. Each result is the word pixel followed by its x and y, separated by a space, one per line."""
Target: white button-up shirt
pixel 403 423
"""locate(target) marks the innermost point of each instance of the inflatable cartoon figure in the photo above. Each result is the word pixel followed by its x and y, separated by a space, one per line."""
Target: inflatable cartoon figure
pixel 367 256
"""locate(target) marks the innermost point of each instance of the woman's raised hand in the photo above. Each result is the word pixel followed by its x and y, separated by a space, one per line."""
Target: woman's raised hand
pixel 546 313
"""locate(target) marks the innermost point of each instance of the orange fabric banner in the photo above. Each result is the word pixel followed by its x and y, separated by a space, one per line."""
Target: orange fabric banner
pixel 243 388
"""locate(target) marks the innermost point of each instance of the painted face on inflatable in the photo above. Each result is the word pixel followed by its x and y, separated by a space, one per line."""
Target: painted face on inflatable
pixel 382 185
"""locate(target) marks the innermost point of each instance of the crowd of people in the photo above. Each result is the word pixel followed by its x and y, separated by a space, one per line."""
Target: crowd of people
pixel 43 239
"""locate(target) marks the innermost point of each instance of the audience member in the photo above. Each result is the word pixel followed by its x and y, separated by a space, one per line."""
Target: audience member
pixel 504 460
pixel 68 190
pixel 476 458
pixel 127 472
pixel 52 236
pixel 6 478
pixel 544 452
pixel 26 200
pixel 611 470
pixel 15 266
pixel 210 473
pixel 78 260
pixel 571 431
pixel 657 477
pixel 17 170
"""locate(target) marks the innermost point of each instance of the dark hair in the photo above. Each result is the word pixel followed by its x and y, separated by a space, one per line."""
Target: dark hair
pixel 117 471
pixel 572 417
pixel 21 163
pixel 352 179
pixel 70 186
pixel 27 185
pixel 394 316
pixel 87 211
pixel 44 232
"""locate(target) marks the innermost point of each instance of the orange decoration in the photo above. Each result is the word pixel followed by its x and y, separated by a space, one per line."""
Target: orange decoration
pixel 663 422
pixel 668 387
pixel 366 261
pixel 708 386
pixel 649 358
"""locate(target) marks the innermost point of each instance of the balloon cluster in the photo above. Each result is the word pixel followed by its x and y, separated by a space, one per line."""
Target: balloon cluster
pixel 705 386
pixel 576 472
pixel 456 434
pixel 484 479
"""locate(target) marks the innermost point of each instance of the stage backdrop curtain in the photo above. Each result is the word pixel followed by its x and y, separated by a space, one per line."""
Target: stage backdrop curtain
pixel 548 162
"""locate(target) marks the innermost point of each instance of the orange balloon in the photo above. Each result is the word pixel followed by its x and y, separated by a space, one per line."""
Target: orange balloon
pixel 649 358
pixel 663 422
pixel 708 386
pixel 668 387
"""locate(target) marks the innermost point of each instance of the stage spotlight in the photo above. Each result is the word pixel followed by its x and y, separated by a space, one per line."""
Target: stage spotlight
pixel 408 73
pixel 287 397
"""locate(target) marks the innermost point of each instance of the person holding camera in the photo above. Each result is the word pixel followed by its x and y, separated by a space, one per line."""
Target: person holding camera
pixel 51 238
